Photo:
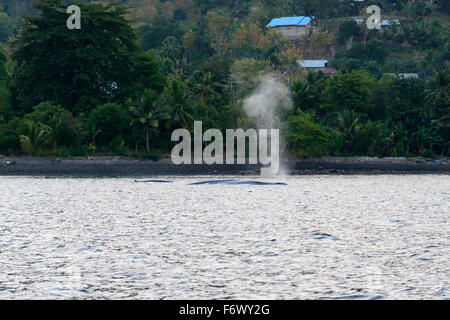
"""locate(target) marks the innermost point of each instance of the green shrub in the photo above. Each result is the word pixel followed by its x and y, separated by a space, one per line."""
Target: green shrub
pixel 65 130
pixel 9 140
pixel 36 138
pixel 305 137
pixel 110 120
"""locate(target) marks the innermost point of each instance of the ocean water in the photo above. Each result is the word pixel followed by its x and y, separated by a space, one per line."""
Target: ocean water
pixel 318 237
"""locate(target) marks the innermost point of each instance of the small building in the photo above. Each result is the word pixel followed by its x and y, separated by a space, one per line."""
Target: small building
pixel 293 28
pixel 313 65
pixel 389 22
pixel 408 75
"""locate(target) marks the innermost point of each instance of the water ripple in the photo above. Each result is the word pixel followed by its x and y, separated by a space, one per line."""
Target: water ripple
pixel 319 237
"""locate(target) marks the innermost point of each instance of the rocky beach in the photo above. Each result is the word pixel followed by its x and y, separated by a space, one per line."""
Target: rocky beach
pixel 104 166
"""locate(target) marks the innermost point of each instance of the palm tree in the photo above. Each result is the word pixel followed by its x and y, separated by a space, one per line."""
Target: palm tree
pixel 204 88
pixel 177 99
pixel 438 92
pixel 307 92
pixel 302 94
pixel 347 122
pixel 56 126
pixel 38 135
pixel 94 132
pixel 144 110
pixel 370 135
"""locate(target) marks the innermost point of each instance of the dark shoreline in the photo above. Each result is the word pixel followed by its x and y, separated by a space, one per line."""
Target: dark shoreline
pixel 125 167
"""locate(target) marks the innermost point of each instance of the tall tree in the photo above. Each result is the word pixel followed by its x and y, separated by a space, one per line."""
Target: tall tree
pixel 176 100
pixel 204 89
pixel 6 27
pixel 144 111
pixel 5 93
pixel 77 69
pixel 350 91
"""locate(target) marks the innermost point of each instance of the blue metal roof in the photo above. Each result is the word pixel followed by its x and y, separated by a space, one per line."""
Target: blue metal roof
pixel 313 63
pixel 290 21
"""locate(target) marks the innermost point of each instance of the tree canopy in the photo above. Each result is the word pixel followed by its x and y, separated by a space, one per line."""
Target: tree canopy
pixel 138 69
pixel 79 69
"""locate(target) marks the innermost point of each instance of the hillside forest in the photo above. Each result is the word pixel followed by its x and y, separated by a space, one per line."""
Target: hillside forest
pixel 138 69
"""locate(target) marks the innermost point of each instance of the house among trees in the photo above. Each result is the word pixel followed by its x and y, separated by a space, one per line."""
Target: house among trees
pixel 313 65
pixel 389 22
pixel 293 28
pixel 317 65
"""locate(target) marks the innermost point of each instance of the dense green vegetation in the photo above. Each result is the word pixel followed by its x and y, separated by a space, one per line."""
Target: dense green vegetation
pixel 139 69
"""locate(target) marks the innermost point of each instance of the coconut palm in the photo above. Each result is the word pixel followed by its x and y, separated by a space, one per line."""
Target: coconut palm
pixel 347 122
pixel 438 92
pixel 303 95
pixel 370 135
pixel 145 111
pixel 176 101
pixel 94 132
pixel 204 87
pixel 38 135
